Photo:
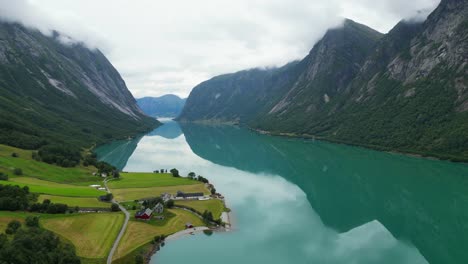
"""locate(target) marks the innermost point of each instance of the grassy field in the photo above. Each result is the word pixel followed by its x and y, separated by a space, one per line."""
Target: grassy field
pixel 32 168
pixel 215 206
pixel 83 202
pixel 91 234
pixel 46 187
pixel 5 219
pixel 130 194
pixel 139 233
pixel 144 180
pixel 7 216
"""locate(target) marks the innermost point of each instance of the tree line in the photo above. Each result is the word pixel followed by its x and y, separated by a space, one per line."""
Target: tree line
pixel 15 198
pixel 33 244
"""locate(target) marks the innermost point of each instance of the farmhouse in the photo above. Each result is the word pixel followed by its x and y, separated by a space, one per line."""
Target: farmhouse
pixel 182 195
pixel 144 214
pixel 166 197
pixel 158 209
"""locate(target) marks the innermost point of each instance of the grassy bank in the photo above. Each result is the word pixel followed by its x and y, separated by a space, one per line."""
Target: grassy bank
pixel 139 233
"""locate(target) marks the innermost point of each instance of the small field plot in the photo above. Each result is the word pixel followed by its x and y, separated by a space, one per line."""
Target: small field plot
pixel 215 206
pixel 42 170
pixel 91 234
pixel 144 180
pixel 46 187
pixel 139 233
pixel 130 194
pixel 83 202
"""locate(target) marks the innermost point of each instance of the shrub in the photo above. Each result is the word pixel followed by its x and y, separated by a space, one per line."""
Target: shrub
pixel 115 207
pixel 3 176
pixel 202 179
pixel 14 225
pixel 192 175
pixel 104 167
pixel 175 172
pixel 108 197
pixel 32 221
pixel 14 155
pixel 18 171
pixel 35 156
pixel 170 204
pixel 139 259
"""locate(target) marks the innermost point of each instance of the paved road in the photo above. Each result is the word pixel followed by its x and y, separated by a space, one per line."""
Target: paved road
pixel 122 230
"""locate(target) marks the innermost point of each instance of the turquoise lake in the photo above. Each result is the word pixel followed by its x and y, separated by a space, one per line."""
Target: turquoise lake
pixel 303 201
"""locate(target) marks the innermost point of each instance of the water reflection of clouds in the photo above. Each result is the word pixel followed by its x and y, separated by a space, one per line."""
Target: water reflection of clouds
pixel 275 222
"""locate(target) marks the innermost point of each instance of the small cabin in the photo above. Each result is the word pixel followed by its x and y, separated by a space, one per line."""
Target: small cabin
pixel 144 214
pixel 188 225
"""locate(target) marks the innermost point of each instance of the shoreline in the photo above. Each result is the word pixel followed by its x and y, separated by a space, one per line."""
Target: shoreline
pixel 365 146
pixel 181 234
pixel 429 156
pixel 227 227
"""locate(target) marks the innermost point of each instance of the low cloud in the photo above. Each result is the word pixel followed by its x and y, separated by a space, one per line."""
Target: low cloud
pixel 164 47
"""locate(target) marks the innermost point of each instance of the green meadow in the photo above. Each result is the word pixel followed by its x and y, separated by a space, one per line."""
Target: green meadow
pixel 31 168
pixel 130 194
pixel 46 187
pixel 215 206
pixel 83 202
pixel 145 180
pixel 91 234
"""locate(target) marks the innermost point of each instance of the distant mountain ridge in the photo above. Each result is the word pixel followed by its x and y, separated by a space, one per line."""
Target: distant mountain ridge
pixel 405 90
pixel 53 92
pixel 168 105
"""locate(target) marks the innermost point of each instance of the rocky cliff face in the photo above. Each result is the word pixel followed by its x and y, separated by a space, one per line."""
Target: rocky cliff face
pixel 54 91
pixel 405 90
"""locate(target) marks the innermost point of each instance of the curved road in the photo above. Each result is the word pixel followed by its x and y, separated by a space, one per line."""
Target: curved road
pixel 122 230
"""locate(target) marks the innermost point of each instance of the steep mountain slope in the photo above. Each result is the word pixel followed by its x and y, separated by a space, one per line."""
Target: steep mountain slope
pixel 168 105
pixel 52 92
pixel 243 96
pixel 404 91
pixel 237 97
pixel 331 64
pixel 410 95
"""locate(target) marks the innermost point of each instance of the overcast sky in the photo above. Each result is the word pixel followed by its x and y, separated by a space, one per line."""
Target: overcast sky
pixel 162 47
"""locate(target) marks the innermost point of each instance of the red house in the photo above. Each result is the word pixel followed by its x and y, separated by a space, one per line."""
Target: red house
pixel 144 214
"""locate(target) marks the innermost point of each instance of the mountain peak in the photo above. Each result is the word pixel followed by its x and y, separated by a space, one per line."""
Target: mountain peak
pixel 168 105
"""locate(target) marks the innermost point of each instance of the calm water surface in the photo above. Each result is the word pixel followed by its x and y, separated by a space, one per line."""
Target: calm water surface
pixel 301 201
